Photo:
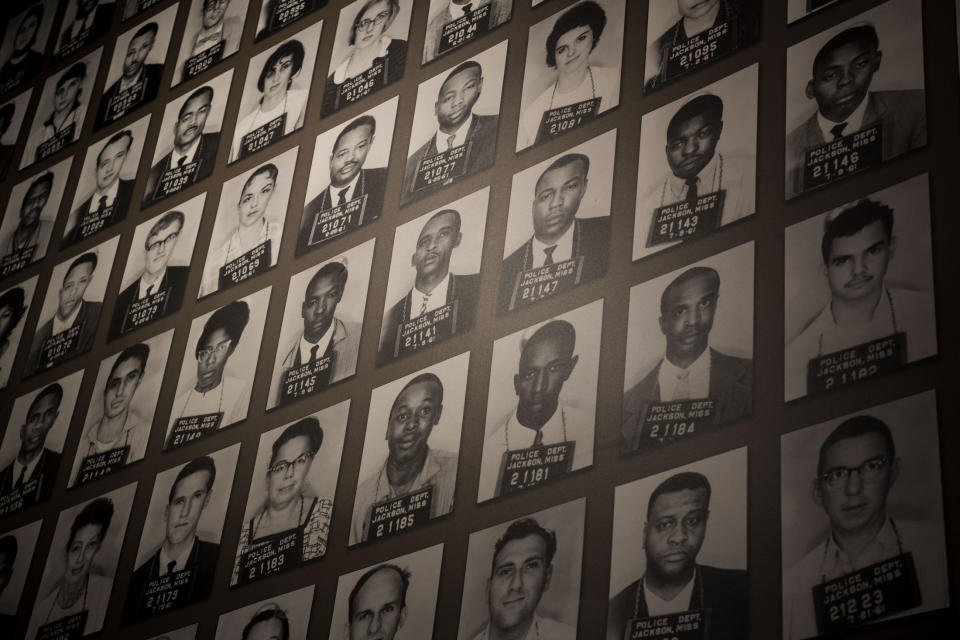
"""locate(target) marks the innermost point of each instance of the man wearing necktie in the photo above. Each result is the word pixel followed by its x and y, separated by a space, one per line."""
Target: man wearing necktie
pixel 110 200
pixel 139 80
pixel 35 462
pixel 443 12
pixel 90 20
pixel 842 72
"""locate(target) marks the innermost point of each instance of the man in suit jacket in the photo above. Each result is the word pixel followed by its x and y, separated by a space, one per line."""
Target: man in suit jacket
pixel 457 126
pixel 183 558
pixel 845 105
pixel 24 62
pixel 689 369
pixel 35 462
pixel 190 145
pixel 674 582
pixel 90 20
pixel 216 29
pixel 348 179
pixel 138 83
pixel 434 285
pixel 110 200
pixel 500 12
pixel 157 276
pixel 6 150
pixel 558 235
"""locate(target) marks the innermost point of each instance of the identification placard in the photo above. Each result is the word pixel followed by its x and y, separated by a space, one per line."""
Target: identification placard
pixel 337 220
pixel 125 100
pixel 66 628
pixel 858 363
pixel 60 346
pixel 250 264
pixel 427 329
pixel 270 555
pixel 198 63
pixel 57 141
pixel 142 312
pixel 464 29
pixel 17 260
pixel 442 168
pixel 534 285
pixel 686 625
pixel 167 592
pixel 361 85
pixel 307 379
pixel 101 464
pixel 263 136
pixel 560 120
pixel 189 428
pixel 396 515
pixel 681 221
pixel 840 158
pixel 698 50
pixel 522 469
pixel 669 421
pixel 285 12
pixel 97 220
pixel 22 497
pixel 175 179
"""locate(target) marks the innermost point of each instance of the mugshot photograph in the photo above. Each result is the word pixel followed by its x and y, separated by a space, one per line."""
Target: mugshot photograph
pixel 83 22
pixel 278 14
pixel 452 23
pixel 859 290
pixel 393 600
pixel 558 226
pixel 287 519
pixel 184 633
pixel 11 126
pixel 797 9
pixel 572 72
pixel 120 415
pixel 59 114
pixel 15 302
pixel 406 476
pixel 698 164
pixel 180 544
pixel 684 36
pixel 249 227
pixel 693 578
pixel 24 44
pixel 434 278
pixel 320 337
pixel 16 555
pixel 105 187
pixel 212 34
pixel 274 100
pixel 455 122
pixel 70 314
pixel 133 8
pixel 33 442
pixel 281 617
pixel 31 211
pixel 155 277
pixel 865 548
pixel 369 51
pixel 522 577
pixel 348 177
pixel 855 96
pixel 136 70
pixel 81 566
pixel 689 363
pixel 216 376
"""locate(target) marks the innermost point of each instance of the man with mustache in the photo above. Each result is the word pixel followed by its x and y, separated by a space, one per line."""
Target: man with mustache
pixel 110 200
pixel 843 70
pixel 674 582
pixel 690 368
pixel 32 233
pixel 91 20
pixel 138 82
pixel 24 62
pixel 411 465
pixel 183 559
pixel 856 249
pixel 377 607
pixel 34 469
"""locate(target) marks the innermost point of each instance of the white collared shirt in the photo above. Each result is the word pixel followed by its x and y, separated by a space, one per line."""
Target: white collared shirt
pixel 459 138
pixel 340 73
pixel 18 467
pixel 854 122
pixel 349 195
pixel 204 34
pixel 657 606
pixel 434 300
pixel 59 326
pixel 144 285
pixel 188 156
pixel 456 10
pixel 563 251
pixel 110 193
pixel 698 380
pixel 708 181
pixel 125 84
pixel 181 559
pixel 322 344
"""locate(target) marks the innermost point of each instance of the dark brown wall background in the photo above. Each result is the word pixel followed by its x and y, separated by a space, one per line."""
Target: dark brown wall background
pixel 761 433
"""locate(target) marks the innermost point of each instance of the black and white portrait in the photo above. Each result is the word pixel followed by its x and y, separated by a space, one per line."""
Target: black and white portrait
pixel 71 311
pixel 690 581
pixel 249 226
pixel 369 51
pixel 279 14
pixel 287 519
pixel 133 8
pixel 393 600
pixel 452 23
pixel 284 617
pixel 212 34
pixel 859 290
pixel 348 177
pixel 33 443
pixel 105 186
pixel 186 151
pixel 60 112
pixel 542 403
pixel 684 36
pixel 31 211
pixel 15 302
pixel 12 114
pixel 180 543
pixel 558 226
pixel 797 9
pixel 16 556
pixel 136 70
pixel 25 43
pixel 216 376
pixel 455 123
pixel 698 164
pixel 120 415
pixel 522 578
pixel 81 567
pixel 434 282
pixel 408 472
pixel 572 71
pixel 862 519
pixel 274 100
pixel 185 633
pixel 83 22
pixel 320 337
pixel 855 96
pixel 689 363
pixel 155 276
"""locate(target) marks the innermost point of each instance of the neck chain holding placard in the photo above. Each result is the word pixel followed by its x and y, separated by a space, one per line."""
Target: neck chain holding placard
pixel 563 423
pixel 264 234
pixel 86 584
pixel 126 437
pixel 593 87
pixel 826 548
pixel 253 123
pixel 256 526
pixel 186 402
pixel 893 321
pixel 637 600
pixel 719 181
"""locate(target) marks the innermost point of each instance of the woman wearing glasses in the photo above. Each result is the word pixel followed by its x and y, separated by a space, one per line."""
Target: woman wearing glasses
pixel 373 59
pixel 292 525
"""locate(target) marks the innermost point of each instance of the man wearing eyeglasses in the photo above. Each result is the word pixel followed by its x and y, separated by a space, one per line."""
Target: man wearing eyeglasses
pixel 159 289
pixel 217 37
pixel 856 469
pixel 110 200
pixel 31 474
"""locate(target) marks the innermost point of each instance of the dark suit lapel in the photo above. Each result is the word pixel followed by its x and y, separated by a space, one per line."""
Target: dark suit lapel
pixel 814 135
pixel 697 589
pixel 407 302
